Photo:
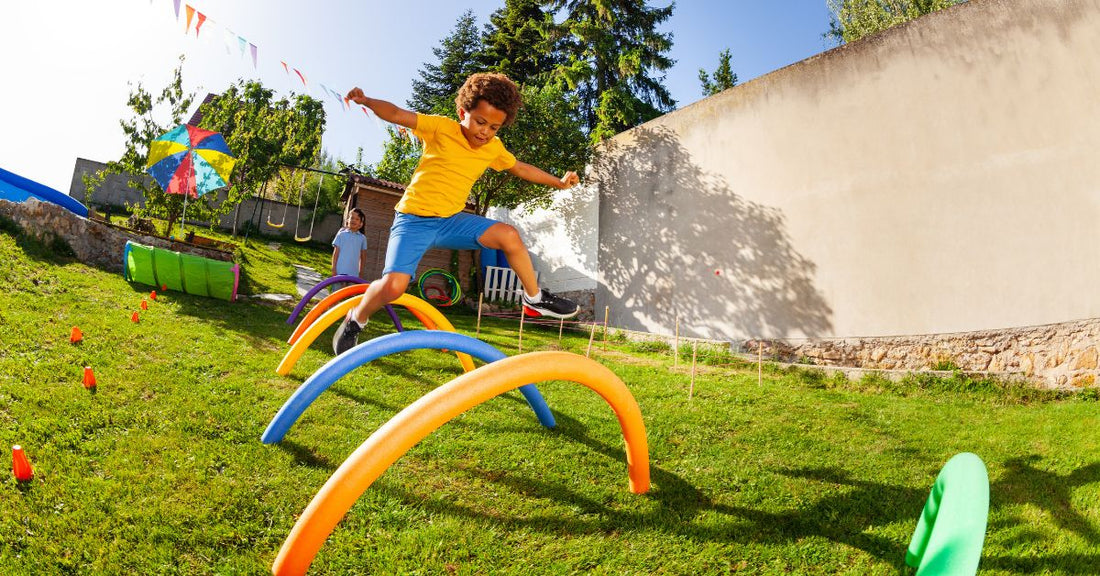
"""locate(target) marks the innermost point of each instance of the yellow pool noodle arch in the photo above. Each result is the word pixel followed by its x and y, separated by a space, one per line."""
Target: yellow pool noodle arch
pixel 436 408
pixel 340 310
pixel 331 300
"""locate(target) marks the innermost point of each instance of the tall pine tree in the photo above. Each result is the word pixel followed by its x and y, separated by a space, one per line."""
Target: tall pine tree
pixel 458 56
pixel 521 42
pixel 724 77
pixel 614 55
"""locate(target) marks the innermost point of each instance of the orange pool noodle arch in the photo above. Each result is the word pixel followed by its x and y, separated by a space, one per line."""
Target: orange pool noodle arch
pixel 436 408
pixel 331 300
pixel 340 310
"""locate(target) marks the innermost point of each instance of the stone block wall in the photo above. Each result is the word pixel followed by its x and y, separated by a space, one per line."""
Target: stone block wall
pixel 95 243
pixel 1063 355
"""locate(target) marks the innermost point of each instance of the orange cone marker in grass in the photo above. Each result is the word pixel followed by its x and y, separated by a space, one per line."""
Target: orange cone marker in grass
pixel 20 466
pixel 134 317
pixel 153 295
pixel 89 377
pixel 75 335
pixel 163 287
pixel 144 304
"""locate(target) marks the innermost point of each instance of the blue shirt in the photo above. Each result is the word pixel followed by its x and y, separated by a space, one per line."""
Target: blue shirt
pixel 351 244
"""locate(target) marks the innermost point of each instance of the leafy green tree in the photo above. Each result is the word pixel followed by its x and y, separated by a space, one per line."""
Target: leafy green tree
pixel 547 133
pixel 264 134
pixel 612 53
pixel 854 19
pixel 521 42
pixel 458 56
pixel 400 157
pixel 140 130
pixel 724 76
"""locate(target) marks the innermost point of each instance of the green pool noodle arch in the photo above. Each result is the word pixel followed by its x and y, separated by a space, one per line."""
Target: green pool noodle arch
pixel 181 272
pixel 951 529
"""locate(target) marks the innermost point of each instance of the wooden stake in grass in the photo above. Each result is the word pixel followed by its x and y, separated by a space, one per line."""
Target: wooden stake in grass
pixel 522 314
pixel 691 390
pixel 591 337
pixel 759 362
pixel 480 296
pixel 606 311
pixel 676 345
pixel 561 325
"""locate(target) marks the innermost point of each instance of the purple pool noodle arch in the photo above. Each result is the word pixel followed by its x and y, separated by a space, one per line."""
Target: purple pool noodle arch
pixel 332 280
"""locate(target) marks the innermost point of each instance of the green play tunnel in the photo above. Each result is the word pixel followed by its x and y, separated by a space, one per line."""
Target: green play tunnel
pixel 181 272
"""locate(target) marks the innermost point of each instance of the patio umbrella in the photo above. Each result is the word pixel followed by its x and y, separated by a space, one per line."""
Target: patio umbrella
pixel 190 161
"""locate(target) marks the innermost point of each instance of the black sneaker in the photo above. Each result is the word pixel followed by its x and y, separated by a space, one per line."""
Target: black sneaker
pixel 550 305
pixel 346 337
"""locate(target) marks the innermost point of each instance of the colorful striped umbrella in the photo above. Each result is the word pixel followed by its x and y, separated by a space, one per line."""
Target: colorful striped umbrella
pixel 189 160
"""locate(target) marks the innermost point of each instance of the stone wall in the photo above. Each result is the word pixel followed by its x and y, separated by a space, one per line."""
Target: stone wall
pixel 1063 355
pixel 95 243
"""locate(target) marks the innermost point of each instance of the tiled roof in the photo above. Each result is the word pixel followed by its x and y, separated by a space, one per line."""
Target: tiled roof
pixel 368 181
pixel 197 116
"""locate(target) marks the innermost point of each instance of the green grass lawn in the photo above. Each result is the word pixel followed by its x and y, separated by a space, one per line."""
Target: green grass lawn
pixel 161 470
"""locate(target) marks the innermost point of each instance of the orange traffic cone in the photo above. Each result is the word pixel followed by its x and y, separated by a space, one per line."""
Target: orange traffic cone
pixel 134 317
pixel 163 287
pixel 20 466
pixel 144 304
pixel 89 377
pixel 153 295
pixel 75 335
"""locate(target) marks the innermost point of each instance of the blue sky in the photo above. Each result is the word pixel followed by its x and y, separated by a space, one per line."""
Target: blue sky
pixel 68 64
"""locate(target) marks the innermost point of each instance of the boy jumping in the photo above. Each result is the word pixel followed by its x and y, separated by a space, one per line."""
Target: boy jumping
pixel 429 214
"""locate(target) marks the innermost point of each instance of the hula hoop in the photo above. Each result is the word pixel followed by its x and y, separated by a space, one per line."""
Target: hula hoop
pixel 456 290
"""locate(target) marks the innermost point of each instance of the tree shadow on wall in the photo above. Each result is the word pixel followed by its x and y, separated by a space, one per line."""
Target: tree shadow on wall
pixel 667 226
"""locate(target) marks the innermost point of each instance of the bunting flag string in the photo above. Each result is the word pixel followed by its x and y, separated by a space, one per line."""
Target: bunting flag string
pixel 229 37
pixel 190 15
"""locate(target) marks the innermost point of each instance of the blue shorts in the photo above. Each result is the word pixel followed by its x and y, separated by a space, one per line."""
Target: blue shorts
pixel 411 236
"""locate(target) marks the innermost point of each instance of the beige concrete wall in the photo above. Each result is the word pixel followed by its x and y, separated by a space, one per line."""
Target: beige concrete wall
pixel 942 176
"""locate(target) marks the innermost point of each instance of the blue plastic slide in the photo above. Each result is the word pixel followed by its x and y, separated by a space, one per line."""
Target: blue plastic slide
pixel 16 188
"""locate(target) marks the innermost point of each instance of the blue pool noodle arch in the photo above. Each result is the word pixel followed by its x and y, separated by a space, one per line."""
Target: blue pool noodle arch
pixel 371 350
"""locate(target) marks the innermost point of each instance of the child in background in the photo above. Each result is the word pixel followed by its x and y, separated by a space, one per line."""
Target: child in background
pixel 429 214
pixel 349 252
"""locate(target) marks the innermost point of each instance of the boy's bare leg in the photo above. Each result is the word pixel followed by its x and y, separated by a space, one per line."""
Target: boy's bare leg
pixel 501 236
pixel 380 293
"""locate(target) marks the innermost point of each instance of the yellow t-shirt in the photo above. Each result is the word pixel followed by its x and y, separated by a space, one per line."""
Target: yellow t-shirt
pixel 448 168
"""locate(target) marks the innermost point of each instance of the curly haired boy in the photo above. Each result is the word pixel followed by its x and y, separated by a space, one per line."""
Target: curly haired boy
pixel 429 214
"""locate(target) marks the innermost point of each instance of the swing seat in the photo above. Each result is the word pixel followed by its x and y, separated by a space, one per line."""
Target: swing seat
pixel 273 224
pixel 298 238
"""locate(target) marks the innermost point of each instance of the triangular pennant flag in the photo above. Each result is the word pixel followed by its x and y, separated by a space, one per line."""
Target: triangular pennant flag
pixel 190 15
pixel 244 44
pixel 252 47
pixel 198 25
pixel 177 4
pixel 227 39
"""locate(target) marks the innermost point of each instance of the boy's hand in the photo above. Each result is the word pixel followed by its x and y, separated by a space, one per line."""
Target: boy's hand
pixel 356 95
pixel 569 180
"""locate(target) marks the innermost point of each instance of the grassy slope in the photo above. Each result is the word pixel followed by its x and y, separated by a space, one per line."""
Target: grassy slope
pixel 161 470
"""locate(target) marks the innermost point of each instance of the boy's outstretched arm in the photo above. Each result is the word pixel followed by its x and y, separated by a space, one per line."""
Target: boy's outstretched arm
pixel 537 175
pixel 384 110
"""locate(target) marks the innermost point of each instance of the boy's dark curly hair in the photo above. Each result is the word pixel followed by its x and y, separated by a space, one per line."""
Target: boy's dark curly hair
pixel 496 89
